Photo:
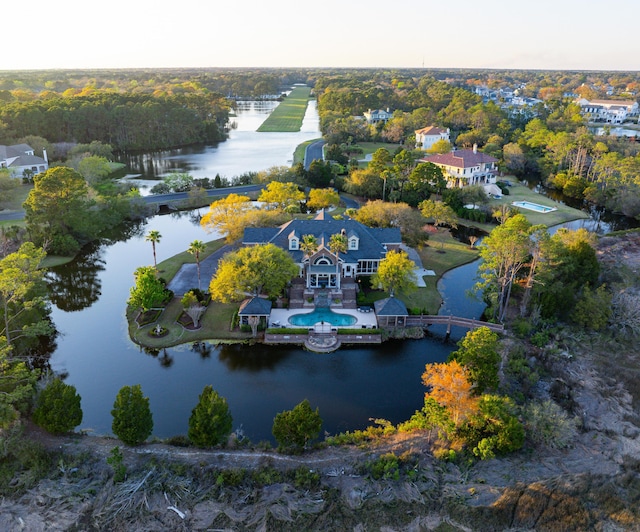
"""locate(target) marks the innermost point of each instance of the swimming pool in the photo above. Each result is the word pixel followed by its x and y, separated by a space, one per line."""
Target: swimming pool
pixel 529 205
pixel 325 315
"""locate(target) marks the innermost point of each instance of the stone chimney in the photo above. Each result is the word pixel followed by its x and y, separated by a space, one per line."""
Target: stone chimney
pixel 475 148
pixel 44 155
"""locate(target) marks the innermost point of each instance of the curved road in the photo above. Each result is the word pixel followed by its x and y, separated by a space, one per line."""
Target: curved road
pixel 313 152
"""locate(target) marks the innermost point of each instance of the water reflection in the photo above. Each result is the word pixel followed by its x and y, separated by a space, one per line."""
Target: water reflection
pixel 246 150
pixel 75 286
pixel 254 359
pixel 203 348
pixel 162 355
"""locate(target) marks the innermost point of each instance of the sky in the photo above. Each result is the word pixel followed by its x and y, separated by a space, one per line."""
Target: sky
pixel 545 34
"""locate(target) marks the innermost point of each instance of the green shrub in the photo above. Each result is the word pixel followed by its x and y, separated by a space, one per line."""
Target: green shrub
pixel 210 422
pixel 116 461
pixel 294 429
pixel 132 418
pixel 306 479
pixel 23 463
pixel 540 339
pixel 359 331
pixel 284 330
pixel 521 327
pixel 386 467
pixel 58 408
pixel 231 477
pixel 178 441
pixel 266 476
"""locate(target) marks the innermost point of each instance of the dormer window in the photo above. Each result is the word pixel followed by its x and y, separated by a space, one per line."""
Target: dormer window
pixel 294 243
pixel 353 242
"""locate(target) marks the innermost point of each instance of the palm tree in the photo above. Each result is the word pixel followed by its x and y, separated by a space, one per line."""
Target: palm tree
pixel 154 237
pixel 309 244
pixel 195 248
pixel 338 244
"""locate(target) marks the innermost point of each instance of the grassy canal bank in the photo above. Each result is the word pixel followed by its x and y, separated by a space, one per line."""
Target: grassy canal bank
pixel 288 116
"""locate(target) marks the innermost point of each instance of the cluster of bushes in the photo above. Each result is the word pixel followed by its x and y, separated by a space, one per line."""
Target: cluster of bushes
pixel 474 215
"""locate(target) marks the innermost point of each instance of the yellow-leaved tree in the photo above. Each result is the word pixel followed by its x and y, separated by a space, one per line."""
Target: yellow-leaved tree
pixel 252 271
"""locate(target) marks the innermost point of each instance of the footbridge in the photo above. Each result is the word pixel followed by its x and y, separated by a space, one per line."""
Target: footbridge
pixel 450 321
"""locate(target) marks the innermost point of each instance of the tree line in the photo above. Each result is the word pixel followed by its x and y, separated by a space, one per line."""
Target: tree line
pixel 125 121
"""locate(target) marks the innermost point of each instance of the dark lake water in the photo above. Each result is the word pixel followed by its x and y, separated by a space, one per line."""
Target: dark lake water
pixel 94 350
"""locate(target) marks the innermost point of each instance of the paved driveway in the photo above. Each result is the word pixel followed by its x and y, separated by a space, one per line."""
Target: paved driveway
pixel 187 276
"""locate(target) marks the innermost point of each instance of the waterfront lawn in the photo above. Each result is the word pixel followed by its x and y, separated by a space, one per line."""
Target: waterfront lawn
pixel 17 198
pixel 371 147
pixel 441 254
pixel 288 116
pixel 168 268
pixel 520 192
pixel 215 325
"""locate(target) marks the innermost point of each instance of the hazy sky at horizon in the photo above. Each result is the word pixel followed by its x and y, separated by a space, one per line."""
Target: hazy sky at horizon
pixel 547 34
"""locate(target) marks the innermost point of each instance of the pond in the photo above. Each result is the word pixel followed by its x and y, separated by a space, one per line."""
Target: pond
pixel 95 353
pixel 246 150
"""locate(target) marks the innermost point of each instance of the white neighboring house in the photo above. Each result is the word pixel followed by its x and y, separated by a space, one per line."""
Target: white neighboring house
pixel 428 136
pixel 373 116
pixel 21 157
pixel 610 111
pixel 467 167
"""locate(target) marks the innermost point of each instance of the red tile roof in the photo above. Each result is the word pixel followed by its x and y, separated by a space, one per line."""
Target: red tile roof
pixel 431 130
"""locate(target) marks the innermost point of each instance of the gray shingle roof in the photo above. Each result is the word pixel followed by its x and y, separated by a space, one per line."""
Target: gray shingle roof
pixel 20 152
pixel 371 244
pixel 390 307
pixel 256 306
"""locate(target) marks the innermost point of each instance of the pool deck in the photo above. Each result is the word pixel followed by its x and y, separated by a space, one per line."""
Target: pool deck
pixel 534 207
pixel 280 318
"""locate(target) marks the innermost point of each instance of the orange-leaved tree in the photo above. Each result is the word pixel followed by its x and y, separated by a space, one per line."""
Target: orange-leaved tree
pixel 450 386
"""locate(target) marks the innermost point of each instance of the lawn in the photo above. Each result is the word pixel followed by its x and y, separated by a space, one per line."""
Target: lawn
pixel 17 197
pixel 370 147
pixel 520 192
pixel 288 116
pixel 215 325
pixel 441 254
